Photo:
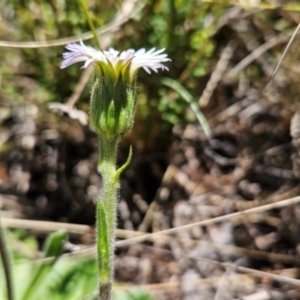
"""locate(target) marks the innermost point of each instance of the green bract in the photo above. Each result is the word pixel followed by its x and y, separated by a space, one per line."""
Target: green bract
pixel 112 104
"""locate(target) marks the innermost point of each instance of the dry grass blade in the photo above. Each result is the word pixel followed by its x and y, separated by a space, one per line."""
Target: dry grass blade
pixel 84 78
pixel 217 74
pixel 228 217
pixel 279 39
pixel 126 12
pixel 47 227
pixel 256 5
pixel 283 55
pixel 241 269
pixel 44 226
pixel 72 112
pixel 169 174
pixel 214 281
pixel 166 286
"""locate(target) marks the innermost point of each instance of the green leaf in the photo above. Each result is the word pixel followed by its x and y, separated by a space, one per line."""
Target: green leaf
pixel 190 100
pixel 122 168
pixel 53 248
pixel 71 279
pixel 103 244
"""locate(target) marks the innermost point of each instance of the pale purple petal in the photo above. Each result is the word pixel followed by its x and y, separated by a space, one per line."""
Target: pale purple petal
pixel 127 55
pixel 147 70
pixel 112 56
pixel 140 52
pixel 151 60
pixel 77 53
pixel 87 63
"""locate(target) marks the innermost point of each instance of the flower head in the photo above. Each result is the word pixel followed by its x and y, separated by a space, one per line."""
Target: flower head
pixel 113 97
pixel 116 62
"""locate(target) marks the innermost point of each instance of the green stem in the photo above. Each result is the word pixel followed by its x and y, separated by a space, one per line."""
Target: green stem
pixel 106 215
pixel 87 15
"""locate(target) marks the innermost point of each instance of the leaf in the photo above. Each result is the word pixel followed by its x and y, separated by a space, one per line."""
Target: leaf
pixel 122 168
pixel 185 94
pixel 103 244
pixel 53 248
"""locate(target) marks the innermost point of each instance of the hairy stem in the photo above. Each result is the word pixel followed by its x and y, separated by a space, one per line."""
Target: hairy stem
pixel 106 215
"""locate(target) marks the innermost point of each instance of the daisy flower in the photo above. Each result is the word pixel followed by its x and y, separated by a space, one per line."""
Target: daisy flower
pixel 113 97
pixel 115 62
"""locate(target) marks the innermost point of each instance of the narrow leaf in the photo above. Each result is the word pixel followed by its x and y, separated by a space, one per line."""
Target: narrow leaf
pixel 122 168
pixel 283 56
pixel 102 244
pixel 190 100
pixel 53 248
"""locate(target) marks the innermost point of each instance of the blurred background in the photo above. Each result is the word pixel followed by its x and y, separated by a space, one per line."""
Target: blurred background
pixel 209 139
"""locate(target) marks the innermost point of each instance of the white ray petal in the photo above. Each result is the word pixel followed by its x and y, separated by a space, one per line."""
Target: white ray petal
pixel 151 60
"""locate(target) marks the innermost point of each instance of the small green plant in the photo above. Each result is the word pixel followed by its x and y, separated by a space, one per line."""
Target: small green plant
pixel 113 102
pixel 54 247
pixel 53 276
